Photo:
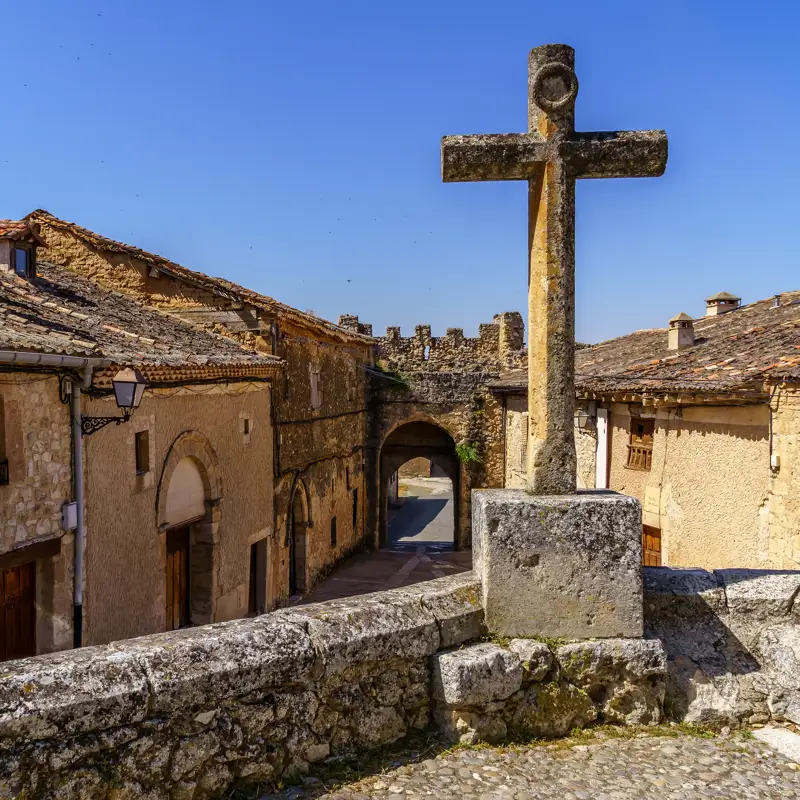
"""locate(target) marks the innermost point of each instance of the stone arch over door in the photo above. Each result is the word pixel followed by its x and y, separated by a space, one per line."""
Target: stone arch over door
pixel 297 533
pixel 413 439
pixel 188 501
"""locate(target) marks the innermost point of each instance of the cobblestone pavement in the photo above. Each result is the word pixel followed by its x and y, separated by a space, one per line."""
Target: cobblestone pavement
pixel 649 767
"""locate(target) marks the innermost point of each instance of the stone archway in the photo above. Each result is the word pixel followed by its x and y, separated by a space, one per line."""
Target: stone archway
pixel 298 526
pixel 188 513
pixel 411 440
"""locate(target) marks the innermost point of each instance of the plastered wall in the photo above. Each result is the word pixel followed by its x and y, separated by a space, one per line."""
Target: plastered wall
pixel 125 589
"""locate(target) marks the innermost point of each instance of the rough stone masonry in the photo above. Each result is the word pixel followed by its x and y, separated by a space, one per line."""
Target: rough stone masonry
pixel 528 541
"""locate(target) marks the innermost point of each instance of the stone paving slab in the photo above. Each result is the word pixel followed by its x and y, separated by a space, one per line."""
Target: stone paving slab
pixel 645 767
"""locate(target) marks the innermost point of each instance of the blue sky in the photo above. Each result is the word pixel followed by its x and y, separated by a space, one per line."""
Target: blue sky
pixel 294 147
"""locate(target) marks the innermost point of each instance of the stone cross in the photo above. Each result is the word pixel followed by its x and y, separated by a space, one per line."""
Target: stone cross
pixel 551 156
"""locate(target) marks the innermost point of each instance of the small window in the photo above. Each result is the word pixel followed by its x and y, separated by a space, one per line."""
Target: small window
pixel 426 353
pixel 142 442
pixel 355 510
pixel 316 395
pixel 22 257
pixel 333 531
pixel 347 477
pixel 246 426
pixel 640 449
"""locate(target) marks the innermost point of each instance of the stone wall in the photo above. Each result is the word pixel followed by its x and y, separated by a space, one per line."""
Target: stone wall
pixel 194 712
pixel 733 642
pixel 36 440
pixel 498 346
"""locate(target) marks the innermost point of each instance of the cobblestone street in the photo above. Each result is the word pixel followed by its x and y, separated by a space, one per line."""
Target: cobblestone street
pixel 685 767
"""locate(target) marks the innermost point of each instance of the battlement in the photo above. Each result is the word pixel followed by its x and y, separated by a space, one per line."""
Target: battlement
pixel 498 346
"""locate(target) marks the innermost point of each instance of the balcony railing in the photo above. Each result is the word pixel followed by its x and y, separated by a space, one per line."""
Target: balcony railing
pixel 639 456
pixel 3 472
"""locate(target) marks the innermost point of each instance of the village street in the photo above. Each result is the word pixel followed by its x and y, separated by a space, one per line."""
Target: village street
pixel 420 546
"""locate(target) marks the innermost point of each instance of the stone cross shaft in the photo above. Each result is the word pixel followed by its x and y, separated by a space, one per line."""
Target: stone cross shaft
pixel 551 156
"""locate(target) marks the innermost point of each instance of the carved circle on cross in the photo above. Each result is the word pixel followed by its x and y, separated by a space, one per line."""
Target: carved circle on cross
pixel 555 85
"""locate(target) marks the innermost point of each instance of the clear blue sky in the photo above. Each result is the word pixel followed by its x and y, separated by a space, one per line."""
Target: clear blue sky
pixel 294 147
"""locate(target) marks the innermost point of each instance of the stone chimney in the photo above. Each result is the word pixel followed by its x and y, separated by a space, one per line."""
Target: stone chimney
pixel 350 321
pixel 721 302
pixel 512 333
pixel 681 332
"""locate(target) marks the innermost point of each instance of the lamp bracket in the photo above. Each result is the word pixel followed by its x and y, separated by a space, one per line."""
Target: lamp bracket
pixel 91 424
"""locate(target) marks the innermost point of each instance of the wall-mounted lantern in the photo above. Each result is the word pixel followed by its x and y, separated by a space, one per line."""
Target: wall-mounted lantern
pixel 585 415
pixel 129 385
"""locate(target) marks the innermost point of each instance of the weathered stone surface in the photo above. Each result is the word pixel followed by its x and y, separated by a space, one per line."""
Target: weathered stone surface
pixel 550 156
pixel 779 647
pixel 625 678
pixel 372 627
pixel 561 566
pixel 536 658
pixel 456 605
pixel 474 675
pixel 66 694
pixel 552 709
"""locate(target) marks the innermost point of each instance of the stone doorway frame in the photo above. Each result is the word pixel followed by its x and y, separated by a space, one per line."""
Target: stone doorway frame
pixel 204 533
pixel 297 533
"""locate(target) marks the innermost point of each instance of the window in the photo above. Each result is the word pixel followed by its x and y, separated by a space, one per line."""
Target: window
pixel 246 426
pixel 333 531
pixel 426 353
pixel 258 578
pixel 142 442
pixel 22 260
pixel 316 395
pixel 355 510
pixel 640 449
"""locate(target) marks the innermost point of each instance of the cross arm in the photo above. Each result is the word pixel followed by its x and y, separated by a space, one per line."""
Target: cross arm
pixel 492 157
pixel 616 154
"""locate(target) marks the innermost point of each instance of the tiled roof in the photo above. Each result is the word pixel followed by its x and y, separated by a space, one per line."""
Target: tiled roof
pixel 739 349
pixel 216 285
pixel 62 313
pixel 17 230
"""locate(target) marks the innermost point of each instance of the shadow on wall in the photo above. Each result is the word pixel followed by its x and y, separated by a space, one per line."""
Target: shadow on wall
pixel 732 641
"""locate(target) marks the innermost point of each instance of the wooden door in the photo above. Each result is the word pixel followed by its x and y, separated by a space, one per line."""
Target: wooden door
pixel 18 619
pixel 651 546
pixel 177 578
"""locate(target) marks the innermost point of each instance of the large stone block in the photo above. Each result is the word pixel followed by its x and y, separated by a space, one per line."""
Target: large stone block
pixel 559 565
pixel 475 675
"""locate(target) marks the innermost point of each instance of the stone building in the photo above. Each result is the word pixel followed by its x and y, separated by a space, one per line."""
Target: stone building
pixel 701 422
pixel 429 400
pixel 177 503
pixel 319 407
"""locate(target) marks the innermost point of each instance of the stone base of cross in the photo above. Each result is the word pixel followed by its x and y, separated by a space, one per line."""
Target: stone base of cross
pixel 553 562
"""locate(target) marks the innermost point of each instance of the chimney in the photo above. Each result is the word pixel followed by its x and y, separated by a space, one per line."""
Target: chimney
pixel 681 332
pixel 721 302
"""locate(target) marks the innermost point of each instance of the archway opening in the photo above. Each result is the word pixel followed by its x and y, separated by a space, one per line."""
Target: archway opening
pixel 419 475
pixel 421 507
pixel 189 548
pixel 298 533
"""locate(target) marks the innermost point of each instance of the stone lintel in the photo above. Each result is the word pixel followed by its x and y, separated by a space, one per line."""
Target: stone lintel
pixel 560 566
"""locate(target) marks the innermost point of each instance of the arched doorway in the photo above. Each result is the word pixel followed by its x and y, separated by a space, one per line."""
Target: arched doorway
pixel 409 443
pixel 189 547
pixel 298 541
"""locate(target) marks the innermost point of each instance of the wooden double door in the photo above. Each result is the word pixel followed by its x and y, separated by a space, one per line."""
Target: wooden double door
pixel 178 579
pixel 18 617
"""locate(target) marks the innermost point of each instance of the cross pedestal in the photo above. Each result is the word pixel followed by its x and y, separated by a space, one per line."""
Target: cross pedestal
pixel 551 156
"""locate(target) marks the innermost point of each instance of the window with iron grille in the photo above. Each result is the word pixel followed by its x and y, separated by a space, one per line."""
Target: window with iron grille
pixel 640 448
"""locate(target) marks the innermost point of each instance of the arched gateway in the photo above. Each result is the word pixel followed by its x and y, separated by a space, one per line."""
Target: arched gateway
pixel 414 440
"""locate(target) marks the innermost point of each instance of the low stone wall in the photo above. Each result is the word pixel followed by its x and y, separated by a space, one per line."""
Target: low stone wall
pixel 190 714
pixel 733 642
